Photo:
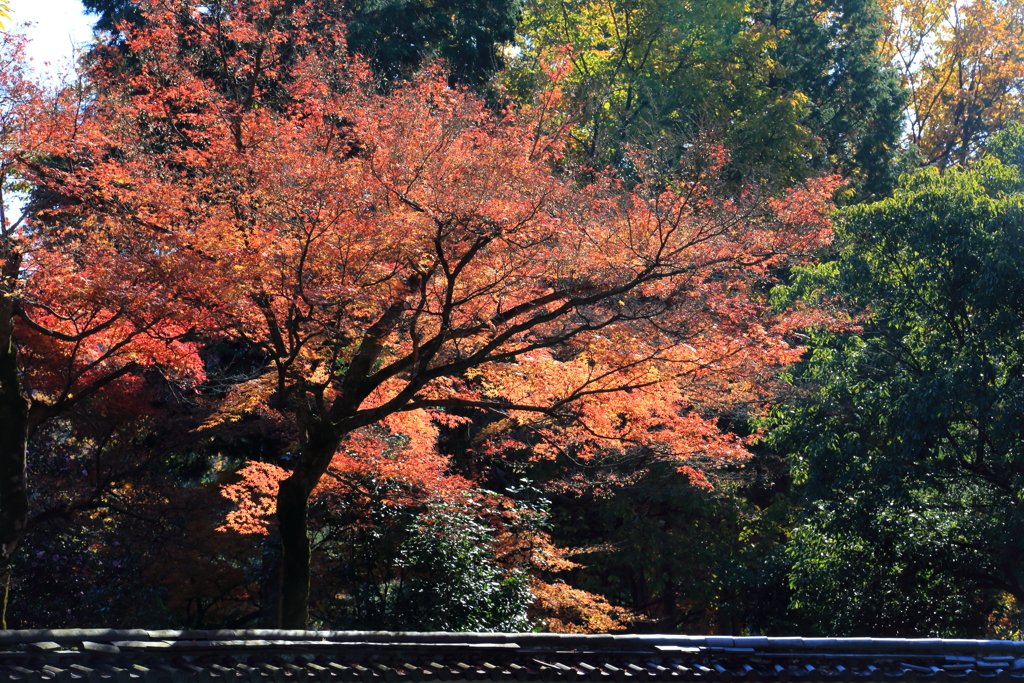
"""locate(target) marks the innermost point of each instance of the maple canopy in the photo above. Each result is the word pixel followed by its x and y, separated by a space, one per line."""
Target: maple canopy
pixel 392 257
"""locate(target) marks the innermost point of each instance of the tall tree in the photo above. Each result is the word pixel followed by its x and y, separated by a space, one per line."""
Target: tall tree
pixel 908 440
pixel 963 66
pixel 397 37
pixel 397 256
pixel 827 56
pixel 80 316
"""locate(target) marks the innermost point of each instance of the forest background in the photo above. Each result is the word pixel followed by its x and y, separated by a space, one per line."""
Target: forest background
pixel 566 315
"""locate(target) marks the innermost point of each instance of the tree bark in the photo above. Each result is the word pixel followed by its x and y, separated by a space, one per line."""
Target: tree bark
pixel 292 514
pixel 14 417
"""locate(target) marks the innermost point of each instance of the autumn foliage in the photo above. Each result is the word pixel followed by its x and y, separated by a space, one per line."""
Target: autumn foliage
pixel 84 314
pixel 963 67
pixel 401 262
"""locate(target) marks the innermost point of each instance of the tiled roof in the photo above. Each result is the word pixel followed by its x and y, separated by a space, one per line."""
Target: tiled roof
pixel 274 656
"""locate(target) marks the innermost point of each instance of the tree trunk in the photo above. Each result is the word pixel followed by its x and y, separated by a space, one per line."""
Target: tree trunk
pixel 292 513
pixel 13 487
pixel 319 438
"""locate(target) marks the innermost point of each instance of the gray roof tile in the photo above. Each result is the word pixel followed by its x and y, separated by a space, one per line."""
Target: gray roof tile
pixel 270 656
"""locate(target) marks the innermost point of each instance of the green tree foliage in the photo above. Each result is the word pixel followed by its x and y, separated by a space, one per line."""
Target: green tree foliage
pixel 790 86
pixel 1008 145
pixel 826 55
pixel 444 578
pixel 397 36
pixel 908 439
pixel 112 14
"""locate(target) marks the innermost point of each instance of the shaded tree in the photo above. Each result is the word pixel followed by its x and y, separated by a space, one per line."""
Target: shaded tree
pixel 397 37
pixel 76 321
pixel 907 439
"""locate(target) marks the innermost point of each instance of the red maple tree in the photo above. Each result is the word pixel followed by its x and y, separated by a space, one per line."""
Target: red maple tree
pixel 82 310
pixel 394 256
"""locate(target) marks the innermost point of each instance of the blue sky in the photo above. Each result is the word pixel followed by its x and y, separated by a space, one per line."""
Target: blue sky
pixel 58 25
